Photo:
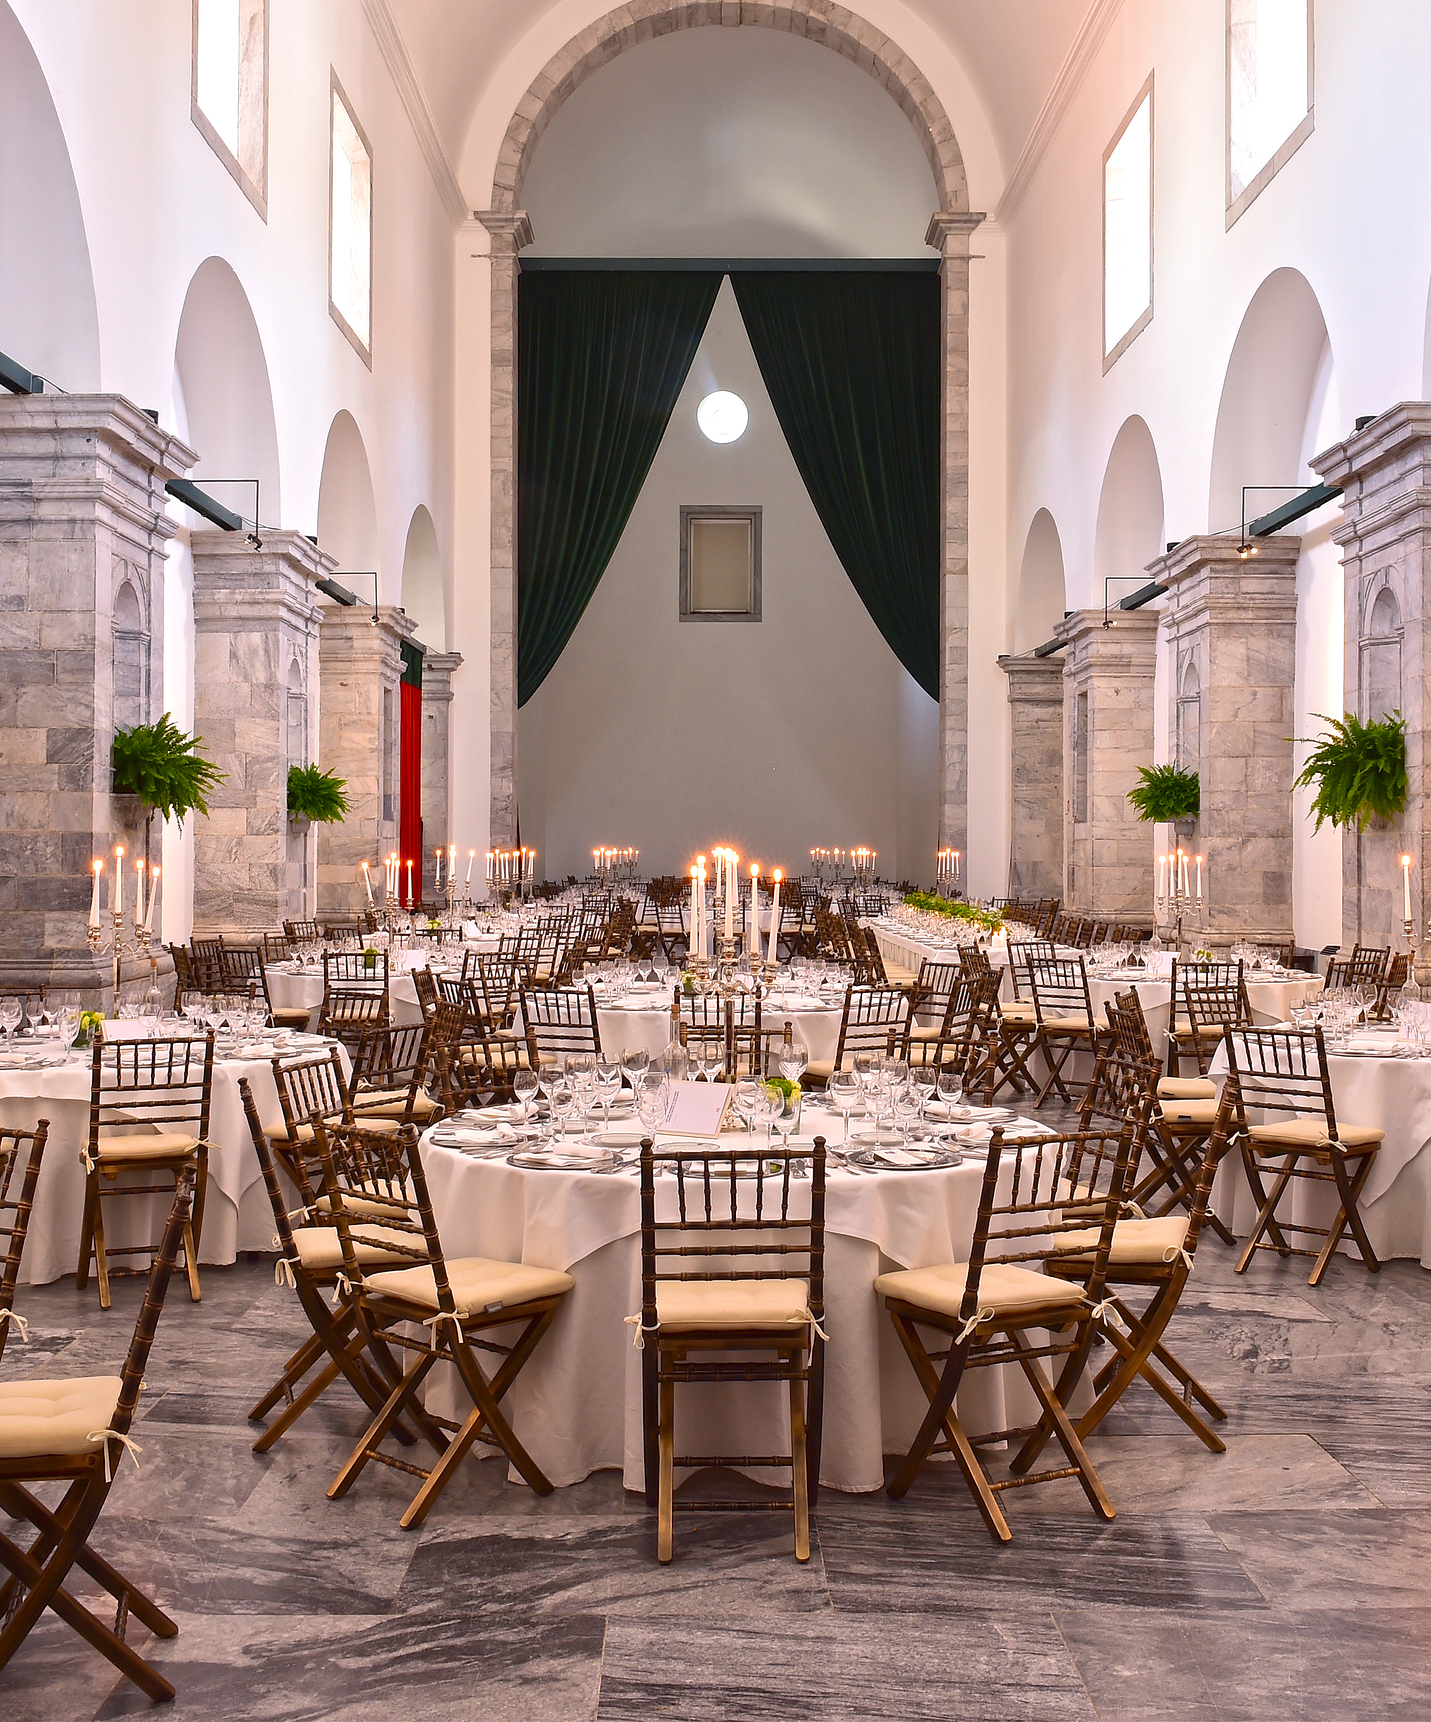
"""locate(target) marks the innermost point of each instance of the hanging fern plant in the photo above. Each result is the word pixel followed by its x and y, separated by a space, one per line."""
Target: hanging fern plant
pixel 162 766
pixel 1166 794
pixel 1358 771
pixel 316 795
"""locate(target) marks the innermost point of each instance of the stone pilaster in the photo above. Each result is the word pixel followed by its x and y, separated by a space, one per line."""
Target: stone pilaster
pixel 509 233
pixel 949 233
pixel 438 669
pixel 83 538
pixel 1108 734
pixel 256 621
pixel 1036 749
pixel 360 667
pixel 1231 625
pixel 1384 471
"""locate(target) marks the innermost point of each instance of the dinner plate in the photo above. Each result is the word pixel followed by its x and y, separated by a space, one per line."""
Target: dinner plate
pixel 922 1157
pixel 617 1139
pixel 568 1160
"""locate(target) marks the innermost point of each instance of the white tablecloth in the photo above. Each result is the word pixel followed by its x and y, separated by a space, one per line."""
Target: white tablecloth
pixel 648 1024
pixel 577 1405
pixel 237 1216
pixel 302 989
pixel 1390 1094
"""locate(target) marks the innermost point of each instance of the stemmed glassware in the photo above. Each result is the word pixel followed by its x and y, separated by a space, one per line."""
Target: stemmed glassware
pixel 561 1098
pixel 843 1092
pixel 793 1059
pixel 746 1100
pixel 11 1010
pixel 524 1089
pixel 581 1078
pixel 607 1075
pixel 635 1062
pixel 950 1086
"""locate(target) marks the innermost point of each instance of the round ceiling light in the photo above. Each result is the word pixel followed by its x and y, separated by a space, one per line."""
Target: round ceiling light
pixel 722 416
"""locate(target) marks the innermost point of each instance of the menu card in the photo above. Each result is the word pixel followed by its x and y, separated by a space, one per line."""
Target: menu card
pixel 697 1108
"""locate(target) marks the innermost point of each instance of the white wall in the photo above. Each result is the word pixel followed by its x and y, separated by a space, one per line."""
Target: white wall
pixel 801 731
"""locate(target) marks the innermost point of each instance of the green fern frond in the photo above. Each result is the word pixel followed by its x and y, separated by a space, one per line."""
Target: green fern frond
pixel 1358 771
pixel 163 767
pixel 316 795
pixel 1166 794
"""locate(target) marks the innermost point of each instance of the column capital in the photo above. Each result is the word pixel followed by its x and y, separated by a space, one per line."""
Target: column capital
pixel 511 230
pixel 1222 578
pixel 949 229
pixel 1127 643
pixel 1033 681
pixel 276 580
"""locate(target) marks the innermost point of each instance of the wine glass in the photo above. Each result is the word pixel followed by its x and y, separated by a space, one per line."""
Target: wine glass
pixel 562 1100
pixel 524 1089
pixel 607 1086
pixel 581 1079
pixel 650 1101
pixel 745 1099
pixel 843 1091
pixel 68 1017
pixel 908 1105
pixel 10 1013
pixel 635 1062
pixel 770 1103
pixel 950 1086
pixel 793 1059
pixel 787 1119
pixel 923 1079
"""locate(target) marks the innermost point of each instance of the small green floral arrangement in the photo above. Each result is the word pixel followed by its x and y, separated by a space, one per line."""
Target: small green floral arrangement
pixel 370 957
pixel 89 1022
pixel 688 983
pixel 933 904
pixel 1203 956
pixel 782 1086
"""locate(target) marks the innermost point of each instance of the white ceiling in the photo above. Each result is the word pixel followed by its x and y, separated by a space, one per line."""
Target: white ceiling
pixel 1011 50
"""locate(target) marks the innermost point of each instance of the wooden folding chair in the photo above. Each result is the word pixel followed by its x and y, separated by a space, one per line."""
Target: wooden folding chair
pixel 309 1087
pixel 310 1260
pixel 730 1029
pixel 732 1289
pixel 1040 1201
pixel 1063 1013
pixel 559 1021
pixel 874 1019
pixel 21 1152
pixel 1366 966
pixel 148 1114
pixel 1282 1076
pixel 392 1070
pixel 1214 1001
pixel 460 1303
pixel 76 1432
pixel 968 1034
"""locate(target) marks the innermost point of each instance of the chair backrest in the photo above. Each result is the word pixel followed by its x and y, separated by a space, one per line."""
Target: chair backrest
pixel 349 1011
pixel 239 965
pixel 20 1154
pixel 968 1031
pixel 206 961
pixel 1281 1074
pixel 368 969
pixel 559 1020
pixel 875 1019
pixel 1060 989
pixel 311 1087
pixel 1119 1088
pixel 1021 953
pixel 935 986
pixel 159 1084
pixel 301 932
pixel 1213 998
pixel 1131 1038
pixel 386 1173
pixel 425 986
pixel 392 1057
pixel 500 982
pixel 1040 1199
pixel 703 1024
pixel 736 1218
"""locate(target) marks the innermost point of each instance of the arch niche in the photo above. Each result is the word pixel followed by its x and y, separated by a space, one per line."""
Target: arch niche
pixel 422 581
pixel 1129 532
pixel 1042 594
pixel 347 507
pixel 49 321
pixel 843 32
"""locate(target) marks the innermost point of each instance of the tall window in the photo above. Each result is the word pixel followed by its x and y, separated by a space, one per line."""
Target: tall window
pixel 350 227
pixel 229 94
pixel 1269 92
pixel 1128 228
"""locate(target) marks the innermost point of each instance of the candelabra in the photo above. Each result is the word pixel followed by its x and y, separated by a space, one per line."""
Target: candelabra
pixel 1179 898
pixel 122 946
pixel 947 873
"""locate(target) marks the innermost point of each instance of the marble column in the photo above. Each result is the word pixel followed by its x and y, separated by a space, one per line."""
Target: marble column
pixel 1384 471
pixel 437 672
pixel 359 723
pixel 1231 626
pixel 1108 734
pixel 509 233
pixel 256 618
pixel 1036 749
pixel 83 538
pixel 949 232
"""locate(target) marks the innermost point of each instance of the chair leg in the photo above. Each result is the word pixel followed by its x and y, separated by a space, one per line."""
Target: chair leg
pixel 799 1477
pixel 666 1505
pixel 815 1418
pixel 1266 1209
pixel 1347 1215
pixel 378 1429
pixel 86 1249
pixel 1067 1436
pixel 196 1221
pixel 294 1370
pixel 101 1260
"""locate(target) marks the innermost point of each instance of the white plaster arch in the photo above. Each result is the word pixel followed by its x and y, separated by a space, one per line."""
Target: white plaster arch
pixel 1267 392
pixel 1042 595
pixel 347 508
pixel 1129 531
pixel 227 401
pixel 422 596
pixel 49 319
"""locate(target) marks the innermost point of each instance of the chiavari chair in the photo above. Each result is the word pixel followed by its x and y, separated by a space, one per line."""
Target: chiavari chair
pixel 21 1152
pixel 875 1020
pixel 75 1431
pixel 149 1116
pixel 1183 1042
pixel 311 1088
pixel 300 933
pixel 1155 1252
pixel 1282 1075
pixel 559 1021
pixel 310 1259
pixel 241 970
pixel 732 1289
pixel 1063 1012
pixel 1181 1126
pixel 1213 1006
pixel 1285 956
pixel 355 995
pixel 1395 980
pixel 1039 1203
pixel 206 963
pixel 391 1070
pixel 1012 1028
pixel 929 999
pixel 968 1038
pixel 704 1027
pixel 1365 967
pixel 458 1302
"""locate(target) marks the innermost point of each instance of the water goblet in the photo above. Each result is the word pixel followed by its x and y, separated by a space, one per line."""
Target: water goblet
pixel 843 1092
pixel 11 1010
pixel 746 1099
pixel 607 1086
pixel 908 1109
pixel 950 1086
pixel 794 1057
pixel 68 1017
pixel 524 1089
pixel 562 1099
pixel 635 1062
pixel 770 1103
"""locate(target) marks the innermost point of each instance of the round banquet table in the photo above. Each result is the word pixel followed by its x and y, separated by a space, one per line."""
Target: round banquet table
pixel 577 1404
pixel 1390 1094
pixel 302 989
pixel 237 1216
pixel 644 1019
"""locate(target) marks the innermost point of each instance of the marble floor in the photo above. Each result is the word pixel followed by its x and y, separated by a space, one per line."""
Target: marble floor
pixel 1288 1578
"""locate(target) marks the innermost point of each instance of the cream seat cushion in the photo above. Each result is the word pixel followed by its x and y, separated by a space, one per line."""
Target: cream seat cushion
pixel 1074 1024
pixel 476 1282
pixel 1188 1111
pixel 1134 1241
pixel 820 1069
pixel 391 1102
pixel 39 1417
pixel 1003 1288
pixel 132 1144
pixel 321 1251
pixel 1311 1133
pixel 1018 1011
pixel 1186 1088
pixel 684 1304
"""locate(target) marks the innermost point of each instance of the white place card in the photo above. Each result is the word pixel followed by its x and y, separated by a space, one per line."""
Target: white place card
pixel 697 1108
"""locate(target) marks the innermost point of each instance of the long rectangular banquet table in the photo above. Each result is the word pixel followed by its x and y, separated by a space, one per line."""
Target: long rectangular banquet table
pixel 1390 1093
pixel 238 1215
pixel 577 1404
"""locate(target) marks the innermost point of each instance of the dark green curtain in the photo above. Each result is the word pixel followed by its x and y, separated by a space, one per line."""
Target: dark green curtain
pixel 601 358
pixel 851 360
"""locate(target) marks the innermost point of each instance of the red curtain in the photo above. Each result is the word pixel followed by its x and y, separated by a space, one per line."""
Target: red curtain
pixel 410 790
